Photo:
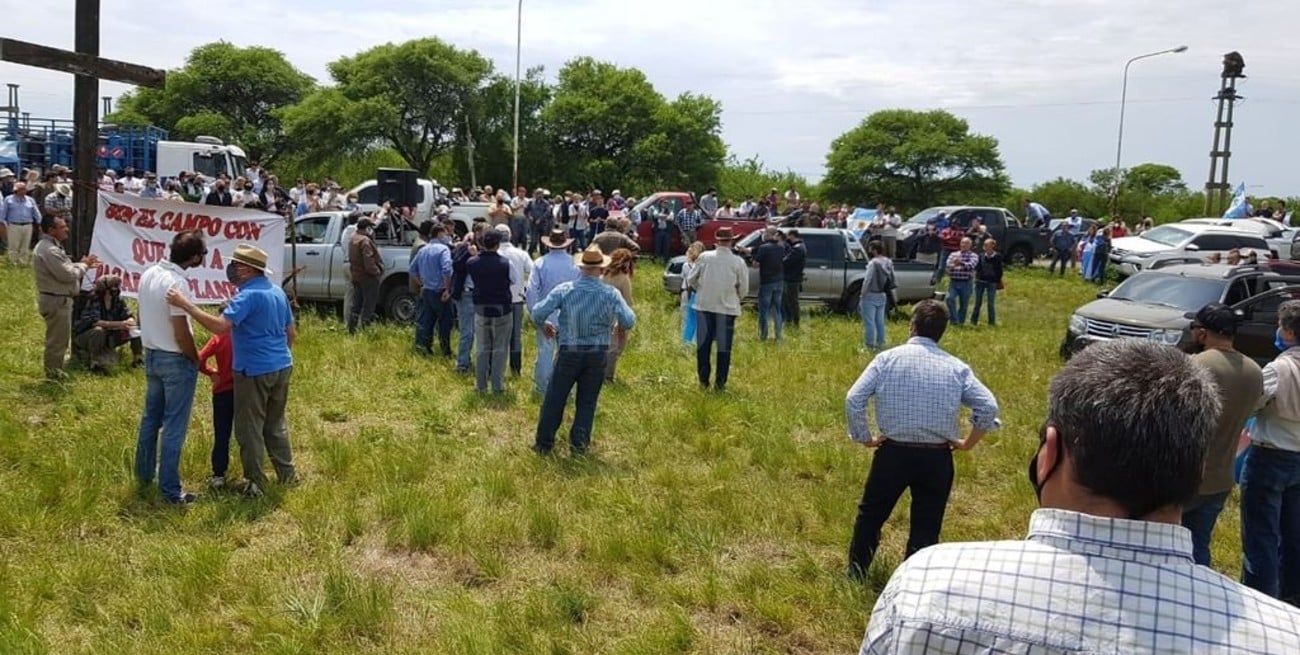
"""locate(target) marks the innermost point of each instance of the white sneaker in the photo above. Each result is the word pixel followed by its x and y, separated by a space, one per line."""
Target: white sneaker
pixel 253 491
pixel 217 482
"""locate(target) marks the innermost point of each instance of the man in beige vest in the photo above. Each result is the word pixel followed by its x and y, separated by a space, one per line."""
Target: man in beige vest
pixel 58 280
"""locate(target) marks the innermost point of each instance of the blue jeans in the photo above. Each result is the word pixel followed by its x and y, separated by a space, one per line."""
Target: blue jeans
pixel 991 290
pixel 958 298
pixel 1270 522
pixel 517 338
pixel 580 238
pixel 545 366
pixel 769 305
pixel 872 308
pixel 585 368
pixel 663 241
pixel 720 328
pixel 1199 516
pixel 940 266
pixel 465 319
pixel 169 394
pixel 432 312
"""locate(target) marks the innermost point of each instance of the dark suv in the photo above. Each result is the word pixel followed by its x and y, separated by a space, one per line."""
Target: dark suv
pixel 1020 245
pixel 1152 304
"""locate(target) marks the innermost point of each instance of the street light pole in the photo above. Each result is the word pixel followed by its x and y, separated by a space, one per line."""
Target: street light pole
pixel 1119 145
pixel 519 40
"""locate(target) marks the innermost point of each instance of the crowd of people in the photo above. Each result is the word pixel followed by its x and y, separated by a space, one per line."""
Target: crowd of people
pixel 1144 520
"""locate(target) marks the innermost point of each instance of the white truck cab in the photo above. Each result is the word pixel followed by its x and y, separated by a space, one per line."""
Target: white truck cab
pixel 207 155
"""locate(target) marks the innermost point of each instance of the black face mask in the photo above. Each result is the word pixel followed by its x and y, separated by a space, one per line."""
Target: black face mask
pixel 231 273
pixel 1033 463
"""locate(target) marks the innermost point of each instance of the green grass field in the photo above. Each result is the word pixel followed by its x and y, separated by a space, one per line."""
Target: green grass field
pixel 703 524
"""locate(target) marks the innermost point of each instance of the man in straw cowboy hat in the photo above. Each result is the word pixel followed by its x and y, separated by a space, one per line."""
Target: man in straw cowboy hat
pixel 262 331
pixel 549 271
pixel 588 310
pixel 720 279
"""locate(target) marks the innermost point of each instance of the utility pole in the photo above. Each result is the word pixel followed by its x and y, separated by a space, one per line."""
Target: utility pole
pixel 1217 189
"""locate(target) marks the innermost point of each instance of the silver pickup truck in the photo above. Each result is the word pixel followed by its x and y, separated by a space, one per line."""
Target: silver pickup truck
pixel 315 244
pixel 833 271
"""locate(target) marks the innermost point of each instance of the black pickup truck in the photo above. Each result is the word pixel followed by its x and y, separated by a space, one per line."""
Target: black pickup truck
pixel 1020 245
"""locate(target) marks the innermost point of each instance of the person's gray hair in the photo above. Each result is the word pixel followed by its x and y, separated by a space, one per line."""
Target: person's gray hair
pixel 1134 417
pixel 1288 316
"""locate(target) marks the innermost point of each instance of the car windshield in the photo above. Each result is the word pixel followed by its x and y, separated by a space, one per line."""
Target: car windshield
pixel 1167 235
pixel 1185 293
pixel 926 215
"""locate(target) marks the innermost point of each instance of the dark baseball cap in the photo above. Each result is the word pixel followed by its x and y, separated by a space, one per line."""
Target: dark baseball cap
pixel 1216 317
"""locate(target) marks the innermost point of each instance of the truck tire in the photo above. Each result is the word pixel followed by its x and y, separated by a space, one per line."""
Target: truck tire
pixel 1020 256
pixel 397 301
pixel 852 298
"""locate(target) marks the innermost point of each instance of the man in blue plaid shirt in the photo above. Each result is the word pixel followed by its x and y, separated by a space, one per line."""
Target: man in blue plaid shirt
pixel 1107 566
pixel 688 221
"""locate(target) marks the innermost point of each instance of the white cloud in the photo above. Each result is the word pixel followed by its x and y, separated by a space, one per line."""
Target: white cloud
pixel 1041 75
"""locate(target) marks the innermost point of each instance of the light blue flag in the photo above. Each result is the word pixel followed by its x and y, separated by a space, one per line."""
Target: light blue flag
pixel 859 221
pixel 1238 208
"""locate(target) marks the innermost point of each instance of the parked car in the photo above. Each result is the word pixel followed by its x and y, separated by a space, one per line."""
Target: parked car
pixel 1280 238
pixel 1131 254
pixel 1086 225
pixel 317 238
pixel 705 233
pixel 1020 245
pixel 833 272
pixel 1153 304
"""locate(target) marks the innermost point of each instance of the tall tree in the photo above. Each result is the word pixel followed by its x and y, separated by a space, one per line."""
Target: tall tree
pixel 913 159
pixel 685 151
pixel 597 115
pixel 490 123
pixel 1154 179
pixel 226 91
pixel 408 96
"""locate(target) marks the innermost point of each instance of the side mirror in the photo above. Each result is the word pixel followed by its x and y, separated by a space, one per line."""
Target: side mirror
pixel 1103 294
pixel 1192 247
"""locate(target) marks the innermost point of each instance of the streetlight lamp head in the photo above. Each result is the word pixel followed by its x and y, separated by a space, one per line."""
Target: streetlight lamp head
pixel 1181 48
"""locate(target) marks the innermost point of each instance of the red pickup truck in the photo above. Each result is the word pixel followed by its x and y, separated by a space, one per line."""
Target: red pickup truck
pixel 675 200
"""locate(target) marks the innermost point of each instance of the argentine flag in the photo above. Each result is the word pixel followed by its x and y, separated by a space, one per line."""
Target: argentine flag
pixel 860 221
pixel 1238 208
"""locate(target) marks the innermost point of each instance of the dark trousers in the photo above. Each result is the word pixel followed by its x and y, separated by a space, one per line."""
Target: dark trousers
pixel 433 312
pixel 713 327
pixel 928 473
pixel 1062 255
pixel 1270 522
pixel 1199 516
pixel 365 294
pixel 941 266
pixel 581 367
pixel 537 231
pixel 517 338
pixel 223 422
pixel 790 302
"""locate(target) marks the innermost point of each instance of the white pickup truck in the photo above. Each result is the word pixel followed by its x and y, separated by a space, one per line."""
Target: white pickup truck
pixel 464 214
pixel 315 244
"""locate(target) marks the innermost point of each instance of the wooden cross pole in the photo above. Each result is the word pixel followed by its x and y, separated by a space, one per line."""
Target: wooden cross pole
pixel 89 68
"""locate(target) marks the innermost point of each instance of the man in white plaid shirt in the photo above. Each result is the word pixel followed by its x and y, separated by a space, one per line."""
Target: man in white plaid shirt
pixel 1107 566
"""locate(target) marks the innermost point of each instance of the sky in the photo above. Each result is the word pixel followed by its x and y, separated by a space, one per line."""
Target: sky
pixel 1042 76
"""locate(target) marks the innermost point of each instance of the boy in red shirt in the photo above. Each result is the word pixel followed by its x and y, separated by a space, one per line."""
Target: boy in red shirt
pixel 223 403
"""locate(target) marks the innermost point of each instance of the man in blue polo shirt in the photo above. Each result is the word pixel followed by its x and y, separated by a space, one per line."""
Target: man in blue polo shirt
pixel 20 215
pixel 262 332
pixel 431 269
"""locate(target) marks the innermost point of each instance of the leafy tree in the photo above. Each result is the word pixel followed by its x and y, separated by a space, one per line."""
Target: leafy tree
pixel 1154 179
pixel 737 179
pixel 409 97
pixel 914 159
pixel 1061 195
pixel 226 91
pixel 685 152
pixel 490 123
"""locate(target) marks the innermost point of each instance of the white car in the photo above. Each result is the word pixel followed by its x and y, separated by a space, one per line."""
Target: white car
pixel 1280 238
pixel 1132 253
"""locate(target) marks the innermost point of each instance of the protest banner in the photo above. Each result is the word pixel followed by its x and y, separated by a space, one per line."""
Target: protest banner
pixel 132 234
